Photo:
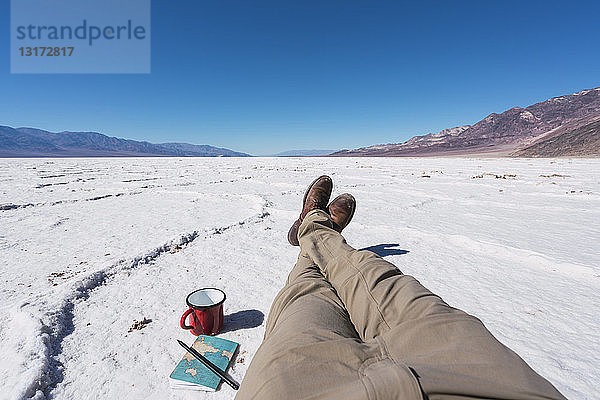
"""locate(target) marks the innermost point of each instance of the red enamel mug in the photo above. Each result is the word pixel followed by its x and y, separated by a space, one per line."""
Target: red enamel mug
pixel 205 311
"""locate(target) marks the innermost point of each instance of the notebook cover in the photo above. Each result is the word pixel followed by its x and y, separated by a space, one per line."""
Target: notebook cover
pixel 192 374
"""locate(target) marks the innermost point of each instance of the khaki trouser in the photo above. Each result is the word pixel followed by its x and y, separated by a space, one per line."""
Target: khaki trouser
pixel 350 325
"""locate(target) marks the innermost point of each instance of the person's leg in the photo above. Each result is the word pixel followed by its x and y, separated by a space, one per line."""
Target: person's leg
pixel 310 348
pixel 451 352
pixel 368 285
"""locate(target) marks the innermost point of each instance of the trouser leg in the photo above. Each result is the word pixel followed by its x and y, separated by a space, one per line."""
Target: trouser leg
pixel 310 348
pixel 306 292
pixel 451 352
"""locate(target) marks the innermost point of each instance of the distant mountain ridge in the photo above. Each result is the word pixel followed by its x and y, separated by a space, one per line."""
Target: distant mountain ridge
pixel 510 132
pixel 31 142
pixel 302 153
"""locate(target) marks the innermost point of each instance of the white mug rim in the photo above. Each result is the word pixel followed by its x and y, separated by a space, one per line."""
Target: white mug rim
pixel 197 307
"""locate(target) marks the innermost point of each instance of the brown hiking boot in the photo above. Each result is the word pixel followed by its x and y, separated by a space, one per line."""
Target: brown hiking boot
pixel 316 197
pixel 341 210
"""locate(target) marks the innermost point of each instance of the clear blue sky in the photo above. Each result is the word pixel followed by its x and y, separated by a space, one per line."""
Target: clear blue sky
pixel 268 76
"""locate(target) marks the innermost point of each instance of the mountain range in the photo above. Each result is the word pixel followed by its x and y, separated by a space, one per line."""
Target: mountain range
pixel 30 142
pixel 561 126
pixel 302 153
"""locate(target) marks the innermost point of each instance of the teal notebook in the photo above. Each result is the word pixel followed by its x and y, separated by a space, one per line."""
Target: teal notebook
pixel 192 374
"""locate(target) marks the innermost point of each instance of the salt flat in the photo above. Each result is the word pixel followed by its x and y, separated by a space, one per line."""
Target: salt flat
pixel 87 246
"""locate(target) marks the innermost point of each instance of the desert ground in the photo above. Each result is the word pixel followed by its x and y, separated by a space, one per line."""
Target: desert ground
pixel 89 246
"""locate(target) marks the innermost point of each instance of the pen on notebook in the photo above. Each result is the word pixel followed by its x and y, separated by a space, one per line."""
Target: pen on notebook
pixel 216 370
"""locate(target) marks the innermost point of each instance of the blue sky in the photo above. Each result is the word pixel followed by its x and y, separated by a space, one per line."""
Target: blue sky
pixel 268 76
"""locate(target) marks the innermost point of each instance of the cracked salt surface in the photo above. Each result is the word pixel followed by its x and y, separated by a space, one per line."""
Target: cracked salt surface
pixel 522 254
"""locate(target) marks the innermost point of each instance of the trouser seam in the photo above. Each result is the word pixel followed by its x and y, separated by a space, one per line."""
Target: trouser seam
pixel 366 263
pixel 367 391
pixel 371 393
pixel 385 353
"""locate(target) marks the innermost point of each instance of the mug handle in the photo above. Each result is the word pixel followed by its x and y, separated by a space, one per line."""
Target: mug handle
pixel 183 318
